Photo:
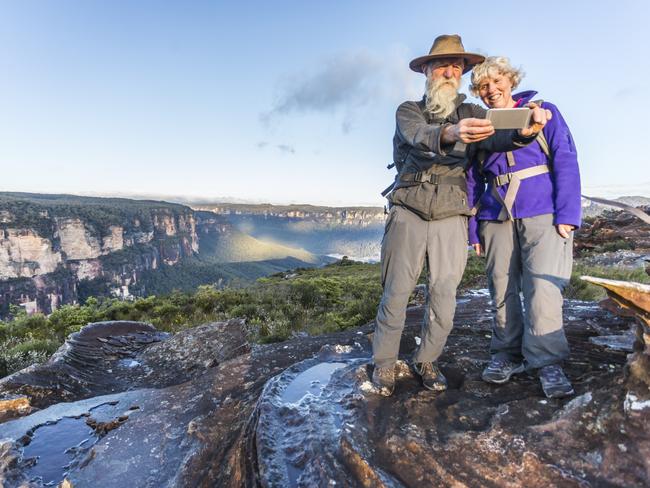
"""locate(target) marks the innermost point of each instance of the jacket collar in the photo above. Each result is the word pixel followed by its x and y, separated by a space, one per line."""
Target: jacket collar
pixel 524 96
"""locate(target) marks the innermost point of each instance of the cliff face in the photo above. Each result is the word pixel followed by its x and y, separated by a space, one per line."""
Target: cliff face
pixel 350 216
pixel 352 231
pixel 50 245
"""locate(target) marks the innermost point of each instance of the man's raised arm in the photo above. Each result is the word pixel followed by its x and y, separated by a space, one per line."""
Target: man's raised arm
pixel 481 131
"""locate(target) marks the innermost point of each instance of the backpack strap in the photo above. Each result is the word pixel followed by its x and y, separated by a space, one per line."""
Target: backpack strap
pixel 541 138
pixel 543 145
pixel 513 179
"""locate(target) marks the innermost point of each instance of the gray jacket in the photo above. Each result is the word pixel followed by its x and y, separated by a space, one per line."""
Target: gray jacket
pixel 431 176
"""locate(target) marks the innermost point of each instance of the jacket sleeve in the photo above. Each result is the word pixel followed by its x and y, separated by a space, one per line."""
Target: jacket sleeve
pixel 475 190
pixel 413 129
pixel 502 140
pixel 564 170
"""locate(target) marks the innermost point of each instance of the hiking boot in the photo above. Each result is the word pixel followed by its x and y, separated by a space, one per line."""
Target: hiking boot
pixel 432 377
pixel 500 370
pixel 384 380
pixel 554 383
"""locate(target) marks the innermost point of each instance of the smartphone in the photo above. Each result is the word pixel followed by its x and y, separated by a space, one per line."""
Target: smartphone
pixel 509 118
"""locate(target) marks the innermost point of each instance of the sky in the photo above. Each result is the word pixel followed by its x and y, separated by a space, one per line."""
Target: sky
pixel 290 101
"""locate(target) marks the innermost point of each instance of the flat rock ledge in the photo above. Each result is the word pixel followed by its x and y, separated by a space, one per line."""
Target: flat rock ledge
pixel 122 404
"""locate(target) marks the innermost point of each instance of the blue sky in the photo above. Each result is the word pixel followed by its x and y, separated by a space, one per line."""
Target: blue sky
pixel 289 101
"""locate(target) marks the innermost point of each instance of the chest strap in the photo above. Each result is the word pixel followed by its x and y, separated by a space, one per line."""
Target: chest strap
pixel 411 179
pixel 513 180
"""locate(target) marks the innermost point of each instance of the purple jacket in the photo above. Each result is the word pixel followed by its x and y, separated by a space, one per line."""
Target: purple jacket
pixel 557 192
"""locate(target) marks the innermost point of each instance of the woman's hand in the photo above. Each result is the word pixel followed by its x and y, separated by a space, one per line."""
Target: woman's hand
pixel 539 119
pixel 564 230
pixel 478 249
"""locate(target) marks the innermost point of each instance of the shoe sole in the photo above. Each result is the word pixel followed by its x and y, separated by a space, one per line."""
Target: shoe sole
pixel 519 369
pixel 560 394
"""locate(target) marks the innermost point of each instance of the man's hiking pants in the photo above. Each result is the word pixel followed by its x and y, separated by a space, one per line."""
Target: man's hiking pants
pixel 527 256
pixel 408 241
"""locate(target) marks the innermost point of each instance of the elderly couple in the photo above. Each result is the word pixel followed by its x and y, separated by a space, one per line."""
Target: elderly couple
pixel 513 194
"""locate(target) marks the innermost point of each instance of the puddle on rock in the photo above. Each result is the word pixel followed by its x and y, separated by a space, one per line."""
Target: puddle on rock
pixel 298 419
pixel 55 446
pixel 312 380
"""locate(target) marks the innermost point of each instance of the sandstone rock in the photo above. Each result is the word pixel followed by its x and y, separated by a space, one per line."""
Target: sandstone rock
pixel 23 253
pixel 614 228
pixel 77 242
pixel 14 406
pixel 300 413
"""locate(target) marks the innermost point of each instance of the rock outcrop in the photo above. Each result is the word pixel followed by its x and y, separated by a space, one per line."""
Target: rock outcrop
pixel 124 405
pixel 614 230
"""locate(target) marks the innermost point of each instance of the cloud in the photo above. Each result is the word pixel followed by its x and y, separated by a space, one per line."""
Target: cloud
pixel 344 84
pixel 285 148
pixel 628 92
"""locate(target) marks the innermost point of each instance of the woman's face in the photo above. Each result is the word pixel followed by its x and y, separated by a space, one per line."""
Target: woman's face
pixel 496 91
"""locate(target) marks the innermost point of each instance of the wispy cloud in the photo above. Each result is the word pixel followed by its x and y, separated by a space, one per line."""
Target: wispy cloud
pixel 344 84
pixel 628 92
pixel 285 148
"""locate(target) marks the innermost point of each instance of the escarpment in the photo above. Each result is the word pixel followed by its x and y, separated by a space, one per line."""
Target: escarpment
pixel 49 244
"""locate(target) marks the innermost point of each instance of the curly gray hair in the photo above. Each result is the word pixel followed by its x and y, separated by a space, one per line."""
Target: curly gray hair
pixel 494 65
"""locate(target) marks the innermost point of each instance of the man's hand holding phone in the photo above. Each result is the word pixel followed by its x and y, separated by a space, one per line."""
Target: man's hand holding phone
pixel 467 131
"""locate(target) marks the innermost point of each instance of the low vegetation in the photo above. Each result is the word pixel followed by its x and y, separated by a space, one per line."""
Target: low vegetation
pixel 307 300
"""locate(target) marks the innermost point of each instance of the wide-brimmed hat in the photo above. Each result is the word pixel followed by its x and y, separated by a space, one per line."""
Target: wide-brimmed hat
pixel 447 46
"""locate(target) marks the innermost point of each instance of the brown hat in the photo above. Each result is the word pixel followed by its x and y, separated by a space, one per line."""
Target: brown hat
pixel 447 46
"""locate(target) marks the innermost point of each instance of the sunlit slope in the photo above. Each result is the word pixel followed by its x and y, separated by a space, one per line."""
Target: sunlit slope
pixel 235 246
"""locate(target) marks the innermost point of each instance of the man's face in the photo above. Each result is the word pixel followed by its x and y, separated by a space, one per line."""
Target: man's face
pixel 443 81
pixel 446 68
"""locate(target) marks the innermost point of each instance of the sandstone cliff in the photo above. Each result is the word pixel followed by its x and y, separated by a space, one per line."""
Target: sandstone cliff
pixel 336 231
pixel 356 216
pixel 49 244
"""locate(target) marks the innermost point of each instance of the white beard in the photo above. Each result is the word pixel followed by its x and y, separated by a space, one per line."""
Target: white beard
pixel 441 96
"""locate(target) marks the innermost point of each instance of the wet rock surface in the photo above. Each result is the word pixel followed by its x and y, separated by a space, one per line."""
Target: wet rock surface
pixel 206 409
pixel 98 359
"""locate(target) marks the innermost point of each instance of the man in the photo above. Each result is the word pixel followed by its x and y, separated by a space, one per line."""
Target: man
pixel 434 139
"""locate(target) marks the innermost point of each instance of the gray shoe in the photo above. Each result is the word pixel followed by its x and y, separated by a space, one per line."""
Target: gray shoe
pixel 554 383
pixel 432 377
pixel 500 370
pixel 384 380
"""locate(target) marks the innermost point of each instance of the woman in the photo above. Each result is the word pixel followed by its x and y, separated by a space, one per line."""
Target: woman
pixel 528 204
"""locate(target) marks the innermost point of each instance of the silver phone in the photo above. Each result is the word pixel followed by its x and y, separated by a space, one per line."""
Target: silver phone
pixel 509 118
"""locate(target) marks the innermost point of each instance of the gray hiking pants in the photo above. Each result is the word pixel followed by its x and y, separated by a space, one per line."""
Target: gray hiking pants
pixel 528 256
pixel 408 240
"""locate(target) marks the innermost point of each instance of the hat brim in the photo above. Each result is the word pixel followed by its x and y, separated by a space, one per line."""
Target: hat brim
pixel 470 59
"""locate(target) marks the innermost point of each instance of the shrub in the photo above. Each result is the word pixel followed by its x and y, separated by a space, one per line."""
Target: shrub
pixel 581 290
